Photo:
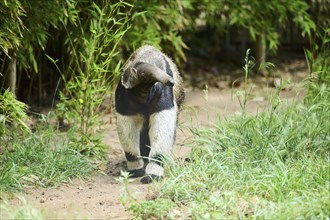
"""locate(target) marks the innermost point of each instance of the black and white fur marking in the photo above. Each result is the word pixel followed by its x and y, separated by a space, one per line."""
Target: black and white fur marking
pixel 147 99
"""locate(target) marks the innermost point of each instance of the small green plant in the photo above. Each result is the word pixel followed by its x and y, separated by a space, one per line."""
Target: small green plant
pixel 243 95
pixel 126 196
pixel 159 208
pixel 92 70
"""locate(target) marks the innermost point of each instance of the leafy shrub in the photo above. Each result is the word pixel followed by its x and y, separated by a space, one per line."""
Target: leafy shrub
pixel 160 24
pixel 13 119
pixel 92 69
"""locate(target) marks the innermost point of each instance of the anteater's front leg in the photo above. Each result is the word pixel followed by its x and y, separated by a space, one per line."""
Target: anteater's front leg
pixel 129 128
pixel 162 136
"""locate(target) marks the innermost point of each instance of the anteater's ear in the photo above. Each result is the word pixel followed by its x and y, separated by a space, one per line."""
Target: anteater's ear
pixel 133 70
pixel 129 78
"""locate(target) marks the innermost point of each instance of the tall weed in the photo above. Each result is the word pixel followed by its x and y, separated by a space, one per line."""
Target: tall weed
pixel 93 69
pixel 318 58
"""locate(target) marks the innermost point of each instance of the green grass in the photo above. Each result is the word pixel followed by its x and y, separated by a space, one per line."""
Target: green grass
pixel 159 208
pixel 42 158
pixel 274 165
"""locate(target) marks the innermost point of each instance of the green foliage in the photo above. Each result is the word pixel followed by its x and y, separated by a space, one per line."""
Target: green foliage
pixel 24 28
pixel 31 29
pixel 272 165
pixel 43 158
pixel 257 17
pixel 318 56
pixel 154 209
pixel 36 31
pixel 10 24
pixel 158 23
pixel 40 158
pixel 159 208
pixel 13 119
pixel 93 65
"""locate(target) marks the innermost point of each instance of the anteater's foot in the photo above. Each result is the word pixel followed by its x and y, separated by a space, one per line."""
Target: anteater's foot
pixel 136 173
pixel 150 178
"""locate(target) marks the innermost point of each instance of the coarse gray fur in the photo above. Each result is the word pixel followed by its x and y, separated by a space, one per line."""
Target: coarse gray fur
pixel 148 75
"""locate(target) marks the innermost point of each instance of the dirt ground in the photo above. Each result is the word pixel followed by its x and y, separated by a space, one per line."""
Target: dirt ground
pixel 99 196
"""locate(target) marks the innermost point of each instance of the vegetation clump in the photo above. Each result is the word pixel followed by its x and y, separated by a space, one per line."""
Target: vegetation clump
pixel 271 165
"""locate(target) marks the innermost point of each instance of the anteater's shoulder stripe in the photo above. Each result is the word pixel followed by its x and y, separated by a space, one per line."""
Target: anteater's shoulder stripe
pixel 167 67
